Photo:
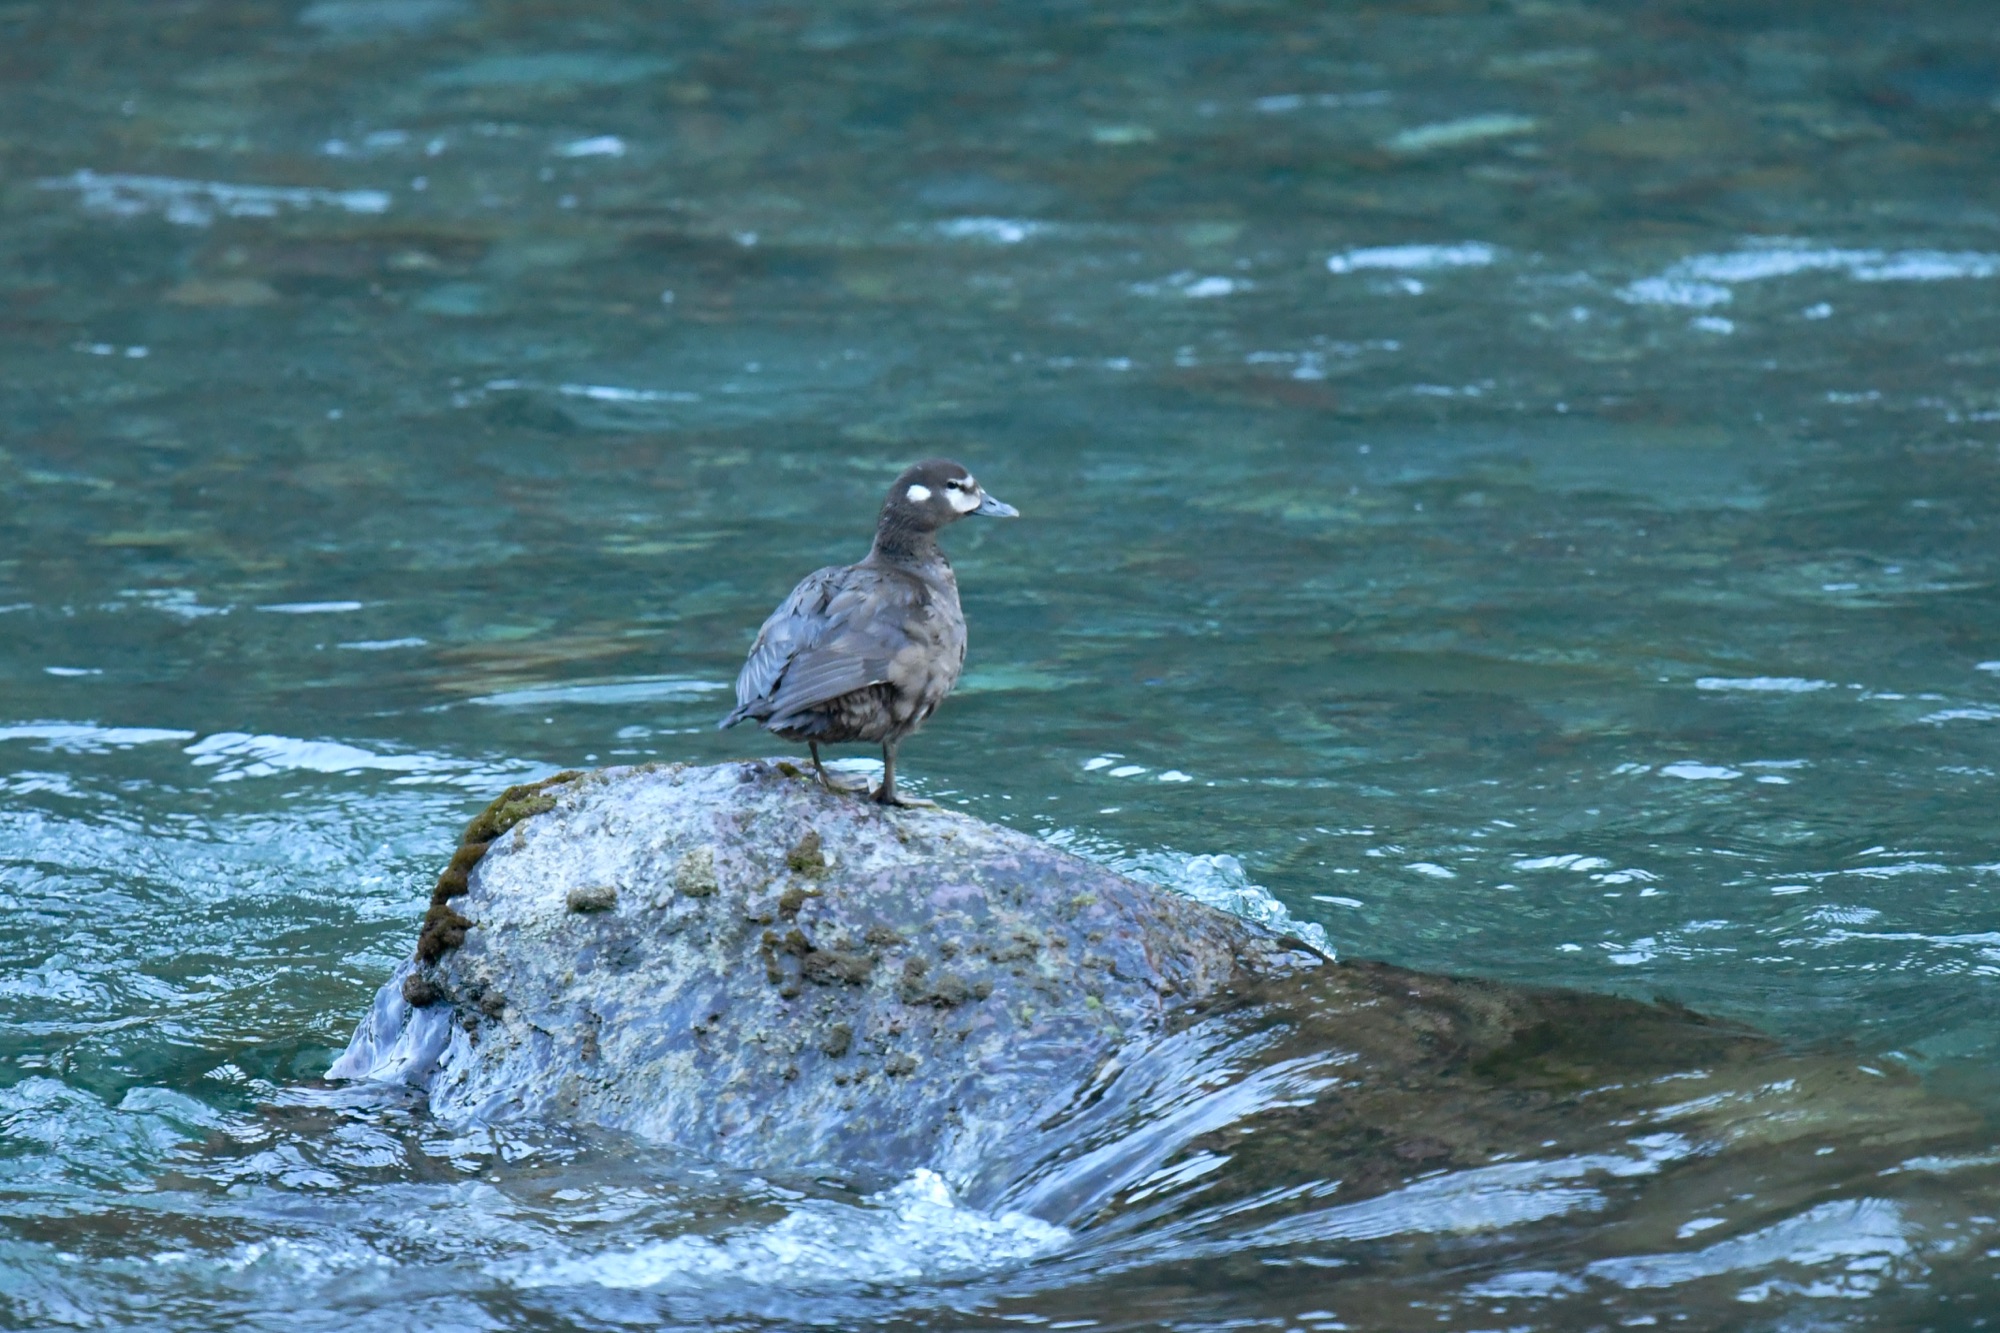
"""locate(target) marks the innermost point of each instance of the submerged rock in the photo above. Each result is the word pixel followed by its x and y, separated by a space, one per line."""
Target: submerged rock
pixel 734 961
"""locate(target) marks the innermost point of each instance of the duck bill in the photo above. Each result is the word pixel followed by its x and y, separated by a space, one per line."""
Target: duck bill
pixel 993 508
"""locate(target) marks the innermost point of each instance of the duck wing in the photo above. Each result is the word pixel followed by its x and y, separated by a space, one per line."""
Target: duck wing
pixel 865 624
pixel 838 632
pixel 798 621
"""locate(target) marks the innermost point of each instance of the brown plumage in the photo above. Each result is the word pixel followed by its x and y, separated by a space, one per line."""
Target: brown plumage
pixel 866 652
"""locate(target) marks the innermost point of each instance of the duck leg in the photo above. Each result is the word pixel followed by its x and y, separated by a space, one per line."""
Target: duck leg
pixel 827 780
pixel 886 793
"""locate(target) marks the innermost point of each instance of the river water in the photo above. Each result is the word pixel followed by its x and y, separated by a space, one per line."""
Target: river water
pixel 1517 481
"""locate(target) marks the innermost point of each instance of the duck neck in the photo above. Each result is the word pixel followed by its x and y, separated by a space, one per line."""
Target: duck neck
pixel 900 542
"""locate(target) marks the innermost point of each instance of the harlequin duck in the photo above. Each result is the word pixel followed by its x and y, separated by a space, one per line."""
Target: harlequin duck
pixel 867 652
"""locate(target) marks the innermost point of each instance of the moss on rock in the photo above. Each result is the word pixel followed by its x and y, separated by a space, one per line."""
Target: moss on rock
pixel 807 856
pixel 444 929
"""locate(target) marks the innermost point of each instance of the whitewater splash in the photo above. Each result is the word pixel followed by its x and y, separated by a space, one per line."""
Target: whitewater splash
pixel 913 1232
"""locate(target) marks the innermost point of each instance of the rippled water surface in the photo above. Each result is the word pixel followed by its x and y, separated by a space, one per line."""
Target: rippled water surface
pixel 1521 479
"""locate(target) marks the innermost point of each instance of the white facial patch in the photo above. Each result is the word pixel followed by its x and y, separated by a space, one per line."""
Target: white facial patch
pixel 918 494
pixel 964 498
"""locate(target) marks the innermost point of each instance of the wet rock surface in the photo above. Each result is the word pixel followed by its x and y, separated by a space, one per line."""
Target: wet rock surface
pixel 736 962
pixel 732 962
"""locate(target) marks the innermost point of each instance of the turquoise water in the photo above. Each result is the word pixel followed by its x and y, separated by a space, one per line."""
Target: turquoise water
pixel 1520 479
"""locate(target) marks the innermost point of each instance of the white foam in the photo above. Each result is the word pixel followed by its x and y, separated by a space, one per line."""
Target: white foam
pixel 1461 132
pixel 914 1232
pixel 1279 103
pixel 1642 950
pixel 641 689
pixel 612 393
pixel 1481 1199
pixel 603 145
pixel 1675 292
pixel 1193 286
pixel 1568 861
pixel 1220 882
pixel 868 768
pixel 311 608
pixel 1763 684
pixel 1851 1229
pixel 1406 258
pixel 197 203
pixel 1692 772
pixel 995 231
pixel 1148 1104
pixel 183 603
pixel 1202 288
pixel 1774 262
pixel 1962 715
pixel 1944 1165
pixel 295 1258
pixel 237 755
pixel 1532 1283
pixel 1928 266
pixel 1705 280
pixel 1181 1173
pixel 89 738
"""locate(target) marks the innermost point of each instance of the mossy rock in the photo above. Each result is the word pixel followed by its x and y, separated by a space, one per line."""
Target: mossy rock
pixel 790 980
pixel 764 933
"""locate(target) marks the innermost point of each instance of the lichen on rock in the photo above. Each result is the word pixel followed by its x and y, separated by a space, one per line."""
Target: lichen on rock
pixel 695 875
pixel 817 985
pixel 587 898
pixel 787 930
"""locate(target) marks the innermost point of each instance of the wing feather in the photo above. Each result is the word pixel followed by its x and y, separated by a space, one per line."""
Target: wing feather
pixel 865 627
pixel 836 633
pixel 798 621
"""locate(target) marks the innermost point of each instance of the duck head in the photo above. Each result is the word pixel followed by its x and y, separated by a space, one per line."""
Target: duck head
pixel 932 495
